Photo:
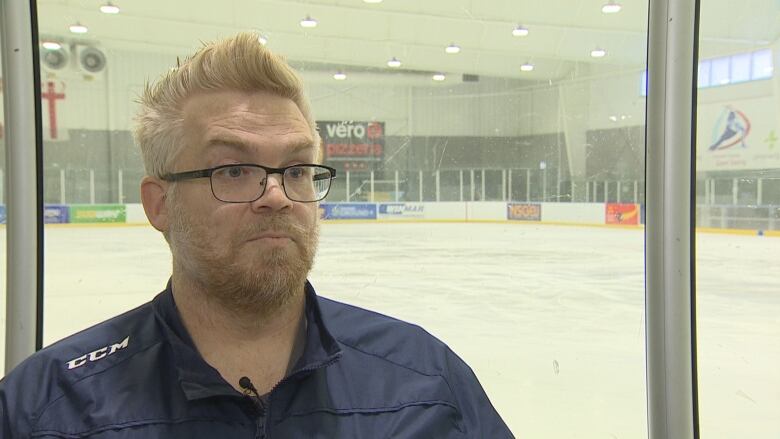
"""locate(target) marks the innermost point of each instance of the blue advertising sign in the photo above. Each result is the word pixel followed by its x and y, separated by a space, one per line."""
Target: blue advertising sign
pixel 401 210
pixel 347 211
pixel 56 214
pixel 2 214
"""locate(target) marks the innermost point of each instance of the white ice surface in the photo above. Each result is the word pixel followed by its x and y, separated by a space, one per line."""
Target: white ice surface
pixel 550 318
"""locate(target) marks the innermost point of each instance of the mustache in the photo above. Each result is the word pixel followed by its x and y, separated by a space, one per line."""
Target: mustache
pixel 277 223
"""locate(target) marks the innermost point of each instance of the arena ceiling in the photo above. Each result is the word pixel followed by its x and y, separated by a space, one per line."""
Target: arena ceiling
pixel 352 34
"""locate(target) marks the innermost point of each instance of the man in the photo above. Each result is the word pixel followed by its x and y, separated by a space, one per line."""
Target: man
pixel 239 344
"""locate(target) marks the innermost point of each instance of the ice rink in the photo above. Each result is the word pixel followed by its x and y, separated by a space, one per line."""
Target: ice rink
pixel 550 318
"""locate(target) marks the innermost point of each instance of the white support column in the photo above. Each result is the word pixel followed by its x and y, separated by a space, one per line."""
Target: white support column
pixel 544 185
pixel 461 184
pixel 606 191
pixel 712 190
pixel 371 195
pixel 587 191
pixel 438 185
pixel 120 188
pixel 397 198
pixel 503 184
pixel 509 186
pixel 734 191
pixel 62 186
pixel 471 186
pixel 349 197
pixel 483 186
pixel 760 192
pixel 91 186
pixel 619 190
pixel 527 185
pixel 421 185
pixel 636 191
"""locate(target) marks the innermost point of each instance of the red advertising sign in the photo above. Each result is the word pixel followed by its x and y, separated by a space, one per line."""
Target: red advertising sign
pixel 352 145
pixel 620 213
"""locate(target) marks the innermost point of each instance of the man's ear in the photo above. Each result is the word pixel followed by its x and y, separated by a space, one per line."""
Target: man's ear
pixel 153 192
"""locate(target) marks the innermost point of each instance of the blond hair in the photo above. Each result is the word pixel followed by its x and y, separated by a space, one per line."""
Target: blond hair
pixel 237 63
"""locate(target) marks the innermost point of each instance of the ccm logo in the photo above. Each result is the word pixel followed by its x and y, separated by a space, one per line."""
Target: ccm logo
pixel 98 354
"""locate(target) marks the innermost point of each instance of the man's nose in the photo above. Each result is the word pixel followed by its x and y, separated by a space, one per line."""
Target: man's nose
pixel 274 197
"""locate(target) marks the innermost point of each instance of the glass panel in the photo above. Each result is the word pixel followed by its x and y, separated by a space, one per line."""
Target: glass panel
pixel 740 67
pixel 704 73
pixel 762 64
pixel 720 73
pixel 549 318
pixel 736 279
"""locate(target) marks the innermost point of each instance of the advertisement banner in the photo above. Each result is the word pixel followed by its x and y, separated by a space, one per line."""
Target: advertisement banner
pixel 524 212
pixel 55 214
pixel 347 211
pixel 98 213
pixel 737 135
pixel 401 210
pixel 2 214
pixel 620 213
pixel 352 145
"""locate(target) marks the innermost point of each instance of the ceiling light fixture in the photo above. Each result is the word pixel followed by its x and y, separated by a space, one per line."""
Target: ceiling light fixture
pixel 340 76
pixel 439 77
pixel 527 67
pixel 598 53
pixel 520 31
pixel 51 45
pixel 611 7
pixel 452 48
pixel 372 1
pixel 78 28
pixel 308 22
pixel 393 62
pixel 109 8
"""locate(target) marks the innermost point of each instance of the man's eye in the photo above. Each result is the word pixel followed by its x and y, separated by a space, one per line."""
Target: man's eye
pixel 235 172
pixel 296 172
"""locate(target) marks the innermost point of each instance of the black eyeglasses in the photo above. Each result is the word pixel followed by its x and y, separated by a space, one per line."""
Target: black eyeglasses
pixel 245 183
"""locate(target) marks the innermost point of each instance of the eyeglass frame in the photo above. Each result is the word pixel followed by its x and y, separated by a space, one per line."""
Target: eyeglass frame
pixel 203 173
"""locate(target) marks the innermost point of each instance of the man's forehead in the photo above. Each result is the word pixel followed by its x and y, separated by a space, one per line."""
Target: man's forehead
pixel 237 144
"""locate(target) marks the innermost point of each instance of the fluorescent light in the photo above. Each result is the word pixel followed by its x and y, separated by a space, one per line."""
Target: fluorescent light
pixel 613 118
pixel 340 76
pixel 109 8
pixel 611 7
pixel 527 67
pixel 262 39
pixel 393 62
pixel 372 1
pixel 308 22
pixel 439 77
pixel 51 45
pixel 452 48
pixel 78 28
pixel 598 53
pixel 520 31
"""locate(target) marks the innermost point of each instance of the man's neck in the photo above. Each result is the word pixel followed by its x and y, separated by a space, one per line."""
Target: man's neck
pixel 236 343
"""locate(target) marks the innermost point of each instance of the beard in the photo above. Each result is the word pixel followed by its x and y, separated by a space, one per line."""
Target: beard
pixel 256 282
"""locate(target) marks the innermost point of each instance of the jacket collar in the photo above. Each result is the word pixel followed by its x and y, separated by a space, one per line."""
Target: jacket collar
pixel 199 380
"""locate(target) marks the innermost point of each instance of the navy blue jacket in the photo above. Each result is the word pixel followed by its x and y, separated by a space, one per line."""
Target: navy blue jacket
pixel 138 375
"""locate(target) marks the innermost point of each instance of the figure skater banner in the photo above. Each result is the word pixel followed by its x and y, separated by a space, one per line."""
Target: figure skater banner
pixel 737 136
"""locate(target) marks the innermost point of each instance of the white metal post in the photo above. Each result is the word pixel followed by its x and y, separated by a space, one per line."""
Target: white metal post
pixel 636 191
pixel 734 191
pixel 606 191
pixel 509 185
pixel 619 189
pixel 438 186
pixel 672 405
pixel 471 186
pixel 759 192
pixel 503 184
pixel 421 185
pixel 544 184
pixel 397 196
pixel 91 186
pixel 62 186
pixel 712 190
pixel 461 185
pixel 483 186
pixel 349 196
pixel 371 196
pixel 528 184
pixel 120 188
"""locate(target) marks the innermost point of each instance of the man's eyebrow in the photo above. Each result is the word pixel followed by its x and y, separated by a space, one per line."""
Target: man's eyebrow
pixel 241 146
